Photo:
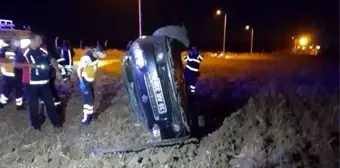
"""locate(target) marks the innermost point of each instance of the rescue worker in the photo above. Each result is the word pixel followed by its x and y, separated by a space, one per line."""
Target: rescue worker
pixel 86 73
pixel 38 87
pixel 191 71
pixel 54 91
pixel 12 77
pixel 66 54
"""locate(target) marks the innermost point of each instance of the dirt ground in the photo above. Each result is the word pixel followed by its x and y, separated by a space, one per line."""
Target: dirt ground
pixel 277 113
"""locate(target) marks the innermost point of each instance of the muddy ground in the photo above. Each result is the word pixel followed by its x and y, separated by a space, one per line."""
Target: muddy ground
pixel 278 113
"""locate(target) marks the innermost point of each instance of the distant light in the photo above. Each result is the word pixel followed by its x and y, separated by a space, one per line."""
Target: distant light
pixel 310 47
pixel 298 47
pixel 303 48
pixel 318 47
pixel 247 27
pixel 218 12
pixel 303 41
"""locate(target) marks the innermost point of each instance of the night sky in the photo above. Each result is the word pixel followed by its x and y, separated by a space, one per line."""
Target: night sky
pixel 275 22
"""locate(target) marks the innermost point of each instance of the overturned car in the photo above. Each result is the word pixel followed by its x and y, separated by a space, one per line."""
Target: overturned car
pixel 153 75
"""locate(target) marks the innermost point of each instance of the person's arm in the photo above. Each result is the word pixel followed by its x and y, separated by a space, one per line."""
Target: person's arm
pixel 200 57
pixel 186 58
pixel 5 56
pixel 83 63
pixel 56 42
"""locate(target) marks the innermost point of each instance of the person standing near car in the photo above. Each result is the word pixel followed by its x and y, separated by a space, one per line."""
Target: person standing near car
pixel 191 71
pixel 39 78
pixel 86 73
pixel 54 91
pixel 12 77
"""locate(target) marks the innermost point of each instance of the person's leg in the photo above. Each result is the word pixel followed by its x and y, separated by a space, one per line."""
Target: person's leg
pixel 46 96
pixel 7 88
pixel 33 105
pixel 88 103
pixel 19 94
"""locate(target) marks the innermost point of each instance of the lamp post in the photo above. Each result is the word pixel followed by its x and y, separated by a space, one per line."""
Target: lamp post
pixel 251 37
pixel 219 12
pixel 140 17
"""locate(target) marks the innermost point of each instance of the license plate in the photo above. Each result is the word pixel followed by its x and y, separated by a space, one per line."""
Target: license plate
pixel 157 89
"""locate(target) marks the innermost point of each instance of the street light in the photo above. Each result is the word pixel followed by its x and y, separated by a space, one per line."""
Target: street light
pixel 251 37
pixel 219 12
pixel 140 17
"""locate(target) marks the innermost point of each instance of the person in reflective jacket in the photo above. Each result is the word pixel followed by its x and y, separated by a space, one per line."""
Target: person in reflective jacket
pixel 191 71
pixel 12 77
pixel 86 73
pixel 39 78
pixel 54 91
pixel 66 54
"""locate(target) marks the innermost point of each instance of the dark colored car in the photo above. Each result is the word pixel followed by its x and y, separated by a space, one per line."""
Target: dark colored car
pixel 153 75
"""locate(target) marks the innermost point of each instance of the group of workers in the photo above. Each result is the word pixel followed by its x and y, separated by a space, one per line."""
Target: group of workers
pixel 32 73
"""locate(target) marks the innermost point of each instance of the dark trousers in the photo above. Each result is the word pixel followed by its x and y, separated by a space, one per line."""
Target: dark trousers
pixel 43 92
pixel 10 84
pixel 190 78
pixel 88 98
pixel 54 91
pixel 56 99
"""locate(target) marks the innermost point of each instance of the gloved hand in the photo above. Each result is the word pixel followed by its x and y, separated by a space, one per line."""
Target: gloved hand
pixel 82 86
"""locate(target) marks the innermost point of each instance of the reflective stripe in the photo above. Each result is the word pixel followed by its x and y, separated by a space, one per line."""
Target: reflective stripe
pixel 19 101
pixel 194 60
pixel 40 82
pixel 9 53
pixel 32 59
pixel 25 54
pixel 60 59
pixel 44 50
pixel 200 57
pixel 191 68
pixel 192 91
pixel 4 72
pixel 56 103
pixel 86 111
pixel 3 99
pixel 69 57
pixel 88 107
pixel 85 116
pixel 192 87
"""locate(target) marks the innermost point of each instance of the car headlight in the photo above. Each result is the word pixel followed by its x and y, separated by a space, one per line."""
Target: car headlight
pixel 24 43
pixel 139 58
pixel 156 131
pixel 160 56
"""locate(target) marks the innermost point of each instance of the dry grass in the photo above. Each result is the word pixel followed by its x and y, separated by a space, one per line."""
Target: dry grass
pixel 289 119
